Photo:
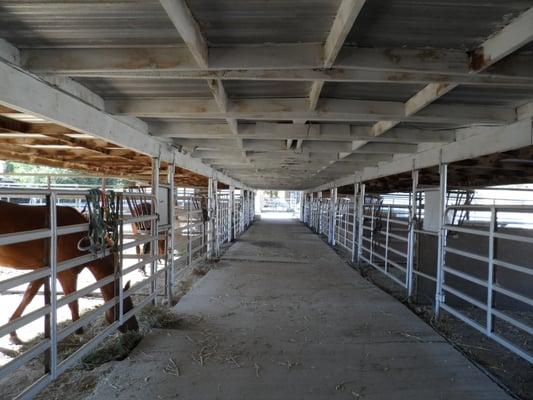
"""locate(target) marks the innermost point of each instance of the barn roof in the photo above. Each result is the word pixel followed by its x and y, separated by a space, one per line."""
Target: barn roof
pixel 286 94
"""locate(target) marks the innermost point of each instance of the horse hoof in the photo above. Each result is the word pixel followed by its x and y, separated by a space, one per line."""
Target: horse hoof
pixel 15 340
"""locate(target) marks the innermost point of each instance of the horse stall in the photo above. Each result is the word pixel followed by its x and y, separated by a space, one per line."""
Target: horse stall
pixel 79 262
pixel 151 238
pixel 453 240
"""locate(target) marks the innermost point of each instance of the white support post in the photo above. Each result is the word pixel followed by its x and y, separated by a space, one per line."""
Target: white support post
pixel 235 218
pixel 332 215
pixel 52 253
pixel 319 212
pixel 354 217
pixel 247 209
pixel 211 214
pixel 253 205
pixel 387 231
pixel 302 207
pixel 241 210
pixel 156 165
pixel 372 217
pixel 216 219
pixel 411 234
pixel 491 274
pixel 360 213
pixel 231 200
pixel 443 188
pixel 171 237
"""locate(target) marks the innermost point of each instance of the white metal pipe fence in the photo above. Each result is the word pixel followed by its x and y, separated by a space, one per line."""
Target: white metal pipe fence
pixel 150 253
pixel 489 289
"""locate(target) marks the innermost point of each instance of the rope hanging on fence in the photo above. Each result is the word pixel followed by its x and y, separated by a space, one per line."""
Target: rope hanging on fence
pixel 103 221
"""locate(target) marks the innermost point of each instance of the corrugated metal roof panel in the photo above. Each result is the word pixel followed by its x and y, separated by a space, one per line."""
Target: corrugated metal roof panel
pixel 511 97
pixel 109 88
pixel 79 23
pixel 432 23
pixel 370 91
pixel 264 21
pixel 266 89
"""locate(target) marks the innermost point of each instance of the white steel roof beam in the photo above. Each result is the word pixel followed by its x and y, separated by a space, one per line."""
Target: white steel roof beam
pixel 285 131
pixel 27 93
pixel 298 62
pixel 515 35
pixel 188 28
pixel 473 144
pixel 295 108
pixel 342 25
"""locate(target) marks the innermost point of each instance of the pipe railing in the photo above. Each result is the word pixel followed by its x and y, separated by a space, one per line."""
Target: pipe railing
pixel 186 241
pixel 387 236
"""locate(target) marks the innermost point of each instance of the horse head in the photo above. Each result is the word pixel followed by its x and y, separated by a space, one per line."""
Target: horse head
pixel 127 304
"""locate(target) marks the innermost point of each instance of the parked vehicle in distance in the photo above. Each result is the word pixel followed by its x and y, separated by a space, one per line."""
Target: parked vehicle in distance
pixel 275 204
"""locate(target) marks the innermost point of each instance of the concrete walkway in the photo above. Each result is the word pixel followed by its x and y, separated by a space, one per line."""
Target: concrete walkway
pixel 282 317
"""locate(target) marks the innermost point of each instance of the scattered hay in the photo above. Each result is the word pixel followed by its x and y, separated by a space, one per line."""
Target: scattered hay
pixel 172 368
pixel 158 317
pixel 201 270
pixel 290 364
pixel 117 348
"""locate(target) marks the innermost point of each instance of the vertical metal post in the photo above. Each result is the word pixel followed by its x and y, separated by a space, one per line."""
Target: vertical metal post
pixel 245 210
pixel 120 266
pixel 302 206
pixel 216 221
pixel 345 218
pixel 360 222
pixel 354 215
pixel 231 206
pixel 443 188
pixel 248 210
pixel 490 275
pixel 154 248
pixel 189 236
pixel 387 229
pixel 332 216
pixel 210 208
pixel 53 284
pixel 310 211
pixel 411 234
pixel 253 206
pixel 319 213
pixel 241 211
pixel 171 237
pixel 371 255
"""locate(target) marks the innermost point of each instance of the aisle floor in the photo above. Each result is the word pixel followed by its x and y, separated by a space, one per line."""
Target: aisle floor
pixel 283 317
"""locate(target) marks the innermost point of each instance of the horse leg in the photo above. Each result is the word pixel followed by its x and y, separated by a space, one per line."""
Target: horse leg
pixel 29 294
pixel 138 251
pixel 69 283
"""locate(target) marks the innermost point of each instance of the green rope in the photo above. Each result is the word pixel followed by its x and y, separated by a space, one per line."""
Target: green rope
pixel 103 222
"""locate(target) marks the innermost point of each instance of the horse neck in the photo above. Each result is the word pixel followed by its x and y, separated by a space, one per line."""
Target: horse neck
pixel 102 269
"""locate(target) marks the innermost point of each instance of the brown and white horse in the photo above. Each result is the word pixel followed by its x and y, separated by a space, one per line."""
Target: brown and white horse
pixel 31 255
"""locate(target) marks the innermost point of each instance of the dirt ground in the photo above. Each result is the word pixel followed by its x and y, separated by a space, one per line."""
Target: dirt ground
pixel 507 369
